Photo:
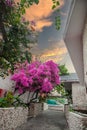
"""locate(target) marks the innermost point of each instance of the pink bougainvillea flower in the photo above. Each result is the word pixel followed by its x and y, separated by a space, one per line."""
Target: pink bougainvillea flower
pixel 36 76
pixel 33 23
pixel 47 86
pixel 20 90
pixel 9 3
pixel 23 19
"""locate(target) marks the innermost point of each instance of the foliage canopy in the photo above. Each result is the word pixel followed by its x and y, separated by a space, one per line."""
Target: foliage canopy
pixel 14 31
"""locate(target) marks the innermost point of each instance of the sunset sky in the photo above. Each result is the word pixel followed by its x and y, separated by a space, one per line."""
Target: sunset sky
pixel 50 45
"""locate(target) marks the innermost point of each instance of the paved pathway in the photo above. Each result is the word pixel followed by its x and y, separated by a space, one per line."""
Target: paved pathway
pixel 48 120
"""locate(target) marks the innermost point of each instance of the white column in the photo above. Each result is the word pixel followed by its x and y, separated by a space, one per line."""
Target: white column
pixel 85 53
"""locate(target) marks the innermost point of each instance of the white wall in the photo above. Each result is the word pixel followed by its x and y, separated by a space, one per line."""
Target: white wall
pixel 6 83
pixel 85 53
pixel 78 94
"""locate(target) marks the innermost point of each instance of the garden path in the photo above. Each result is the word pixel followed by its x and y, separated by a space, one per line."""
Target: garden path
pixel 48 120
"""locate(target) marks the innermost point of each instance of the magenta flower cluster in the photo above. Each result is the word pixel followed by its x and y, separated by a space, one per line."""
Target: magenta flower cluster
pixel 9 3
pixel 42 77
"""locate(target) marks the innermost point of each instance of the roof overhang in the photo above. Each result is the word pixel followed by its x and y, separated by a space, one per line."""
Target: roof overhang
pixel 73 35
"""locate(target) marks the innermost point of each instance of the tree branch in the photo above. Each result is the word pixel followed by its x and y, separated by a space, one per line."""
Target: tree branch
pixel 2 28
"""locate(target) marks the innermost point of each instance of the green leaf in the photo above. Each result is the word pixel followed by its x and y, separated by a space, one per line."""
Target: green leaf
pixel 23 1
pixel 36 1
pixel 23 11
pixel 57 3
pixel 54 6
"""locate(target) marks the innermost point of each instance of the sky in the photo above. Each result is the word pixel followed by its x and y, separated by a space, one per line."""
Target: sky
pixel 50 44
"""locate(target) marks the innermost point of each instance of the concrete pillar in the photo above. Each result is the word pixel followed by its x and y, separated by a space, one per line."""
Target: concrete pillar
pixel 66 110
pixel 85 53
pixel 78 94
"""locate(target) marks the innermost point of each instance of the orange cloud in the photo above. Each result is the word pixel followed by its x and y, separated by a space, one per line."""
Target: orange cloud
pixel 43 9
pixel 54 53
pixel 40 13
pixel 43 23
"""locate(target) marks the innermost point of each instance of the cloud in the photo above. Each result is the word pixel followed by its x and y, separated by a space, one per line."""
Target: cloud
pixel 40 13
pixel 55 52
pixel 42 23
pixel 42 10
pixel 63 13
pixel 55 43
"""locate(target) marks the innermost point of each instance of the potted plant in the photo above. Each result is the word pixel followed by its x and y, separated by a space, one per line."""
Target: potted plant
pixel 12 111
pixel 36 78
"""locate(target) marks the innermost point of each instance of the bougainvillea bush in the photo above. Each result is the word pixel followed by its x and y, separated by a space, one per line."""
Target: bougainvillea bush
pixel 36 77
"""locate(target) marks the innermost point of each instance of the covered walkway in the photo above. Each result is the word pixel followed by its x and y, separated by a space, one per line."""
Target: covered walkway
pixel 48 120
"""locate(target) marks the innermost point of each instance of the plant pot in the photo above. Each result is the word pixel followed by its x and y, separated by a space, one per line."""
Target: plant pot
pixel 35 109
pixel 45 106
pixel 10 118
pixel 77 121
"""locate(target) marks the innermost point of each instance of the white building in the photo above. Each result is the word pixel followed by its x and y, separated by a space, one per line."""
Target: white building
pixel 75 38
